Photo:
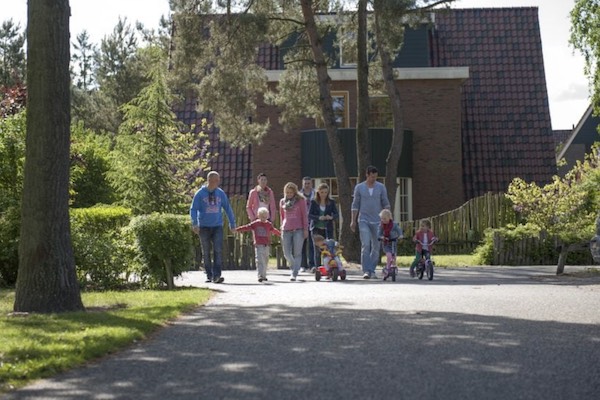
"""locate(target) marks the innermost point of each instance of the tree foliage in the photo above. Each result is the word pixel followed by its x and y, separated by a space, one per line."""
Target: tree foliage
pixel 585 37
pixel 12 54
pixel 566 207
pixel 153 151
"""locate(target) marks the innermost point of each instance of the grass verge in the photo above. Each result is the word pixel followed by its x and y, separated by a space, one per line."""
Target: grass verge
pixel 444 261
pixel 35 346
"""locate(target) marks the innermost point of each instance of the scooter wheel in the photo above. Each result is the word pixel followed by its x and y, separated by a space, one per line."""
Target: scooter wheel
pixel 317 275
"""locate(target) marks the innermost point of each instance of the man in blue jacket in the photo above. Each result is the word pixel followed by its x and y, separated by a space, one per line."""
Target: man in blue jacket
pixel 207 221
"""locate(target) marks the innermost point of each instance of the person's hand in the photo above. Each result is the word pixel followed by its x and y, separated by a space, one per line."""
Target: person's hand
pixel 321 218
pixel 353 226
pixel 305 233
pixel 196 229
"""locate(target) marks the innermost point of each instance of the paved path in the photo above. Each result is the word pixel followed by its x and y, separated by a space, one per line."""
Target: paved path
pixel 471 333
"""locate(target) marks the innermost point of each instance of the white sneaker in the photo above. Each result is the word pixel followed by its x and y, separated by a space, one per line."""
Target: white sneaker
pixel 366 275
pixel 373 275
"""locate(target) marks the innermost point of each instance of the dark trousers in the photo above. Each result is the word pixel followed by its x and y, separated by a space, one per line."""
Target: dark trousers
pixel 308 253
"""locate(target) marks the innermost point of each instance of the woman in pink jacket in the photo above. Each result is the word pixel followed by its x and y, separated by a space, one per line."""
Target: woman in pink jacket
pixel 261 196
pixel 294 226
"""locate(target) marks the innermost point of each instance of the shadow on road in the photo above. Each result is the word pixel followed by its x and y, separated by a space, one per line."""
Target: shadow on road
pixel 280 352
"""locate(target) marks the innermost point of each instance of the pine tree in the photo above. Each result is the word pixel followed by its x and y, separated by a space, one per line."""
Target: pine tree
pixel 12 54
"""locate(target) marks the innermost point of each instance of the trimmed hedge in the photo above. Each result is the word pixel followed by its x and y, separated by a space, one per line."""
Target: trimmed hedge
pixel 100 257
pixel 164 247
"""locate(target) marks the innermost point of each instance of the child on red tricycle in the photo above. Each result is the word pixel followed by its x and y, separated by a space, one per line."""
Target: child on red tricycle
pixel 330 254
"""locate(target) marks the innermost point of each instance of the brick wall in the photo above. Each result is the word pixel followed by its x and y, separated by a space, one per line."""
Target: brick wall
pixel 432 113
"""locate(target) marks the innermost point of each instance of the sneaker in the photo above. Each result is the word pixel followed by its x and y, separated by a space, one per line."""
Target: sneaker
pixel 293 278
pixel 366 275
pixel 302 269
pixel 373 275
pixel 260 279
pixel 265 279
pixel 313 270
pixel 208 280
pixel 219 279
pixel 412 272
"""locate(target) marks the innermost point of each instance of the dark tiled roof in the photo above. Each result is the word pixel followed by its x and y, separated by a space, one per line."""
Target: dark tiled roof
pixel 506 118
pixel 233 164
pixel 561 135
pixel 268 57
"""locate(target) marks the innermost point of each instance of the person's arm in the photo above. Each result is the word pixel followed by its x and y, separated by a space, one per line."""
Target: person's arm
pixel 334 212
pixel 355 207
pixel 385 202
pixel 194 210
pixel 250 205
pixel 227 207
pixel 304 214
pixel 314 212
pixel 281 212
pixel 244 228
pixel 272 206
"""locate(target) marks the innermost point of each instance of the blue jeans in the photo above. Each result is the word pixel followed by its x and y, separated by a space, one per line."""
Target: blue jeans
pixel 292 248
pixel 369 246
pixel 211 238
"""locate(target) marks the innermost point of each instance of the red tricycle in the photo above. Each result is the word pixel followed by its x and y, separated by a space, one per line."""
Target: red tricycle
pixel 334 273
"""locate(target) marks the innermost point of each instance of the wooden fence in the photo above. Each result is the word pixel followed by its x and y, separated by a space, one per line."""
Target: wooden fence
pixel 238 249
pixel 461 230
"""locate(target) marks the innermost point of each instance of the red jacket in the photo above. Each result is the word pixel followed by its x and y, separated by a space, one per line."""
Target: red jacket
pixel 420 237
pixel 262 231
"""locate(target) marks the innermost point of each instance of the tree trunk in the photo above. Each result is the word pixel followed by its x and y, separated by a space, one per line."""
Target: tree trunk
pixel 363 142
pixel 47 281
pixel 347 238
pixel 393 157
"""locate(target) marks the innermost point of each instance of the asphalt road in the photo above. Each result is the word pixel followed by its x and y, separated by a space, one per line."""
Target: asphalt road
pixel 471 333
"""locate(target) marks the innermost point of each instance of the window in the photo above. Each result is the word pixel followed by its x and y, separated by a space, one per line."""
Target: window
pixel 380 112
pixel 340 110
pixel 348 54
pixel 403 206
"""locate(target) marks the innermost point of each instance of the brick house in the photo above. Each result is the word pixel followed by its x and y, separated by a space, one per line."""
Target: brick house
pixel 475 109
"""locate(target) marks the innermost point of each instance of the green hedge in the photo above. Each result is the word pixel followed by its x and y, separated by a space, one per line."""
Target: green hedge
pixel 10 226
pixel 546 253
pixel 164 247
pixel 101 258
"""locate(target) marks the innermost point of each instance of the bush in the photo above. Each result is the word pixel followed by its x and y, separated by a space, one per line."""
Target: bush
pixel 89 166
pixel 97 246
pixel 543 252
pixel 10 226
pixel 162 242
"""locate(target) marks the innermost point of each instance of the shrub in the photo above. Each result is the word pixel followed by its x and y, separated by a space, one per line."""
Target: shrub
pixel 163 245
pixel 10 226
pixel 97 247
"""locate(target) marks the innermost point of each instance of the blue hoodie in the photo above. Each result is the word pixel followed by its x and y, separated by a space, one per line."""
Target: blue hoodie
pixel 206 207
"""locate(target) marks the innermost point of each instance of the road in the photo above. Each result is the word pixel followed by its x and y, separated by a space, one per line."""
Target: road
pixel 471 333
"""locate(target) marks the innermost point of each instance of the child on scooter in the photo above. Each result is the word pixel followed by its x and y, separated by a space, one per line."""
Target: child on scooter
pixel 389 232
pixel 424 239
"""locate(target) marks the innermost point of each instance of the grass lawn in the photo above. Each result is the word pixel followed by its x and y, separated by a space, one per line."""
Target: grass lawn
pixel 454 260
pixel 37 345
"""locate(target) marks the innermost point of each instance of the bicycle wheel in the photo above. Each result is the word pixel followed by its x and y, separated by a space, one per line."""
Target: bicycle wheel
pixel 420 270
pixel 429 268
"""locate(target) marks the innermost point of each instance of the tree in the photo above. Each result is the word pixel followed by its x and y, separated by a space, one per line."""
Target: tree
pixel 564 208
pixel 153 154
pixel 12 54
pixel 585 37
pixel 47 281
pixel 83 56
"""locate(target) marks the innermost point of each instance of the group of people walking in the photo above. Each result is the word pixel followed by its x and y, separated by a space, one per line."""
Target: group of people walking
pixel 305 214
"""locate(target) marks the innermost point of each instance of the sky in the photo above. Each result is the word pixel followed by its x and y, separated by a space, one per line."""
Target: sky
pixel 568 89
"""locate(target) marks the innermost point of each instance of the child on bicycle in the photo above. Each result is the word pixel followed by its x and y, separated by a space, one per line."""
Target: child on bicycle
pixel 389 232
pixel 330 251
pixel 424 239
pixel 262 229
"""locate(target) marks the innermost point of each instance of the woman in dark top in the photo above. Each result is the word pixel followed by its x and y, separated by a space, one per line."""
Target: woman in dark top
pixel 321 216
